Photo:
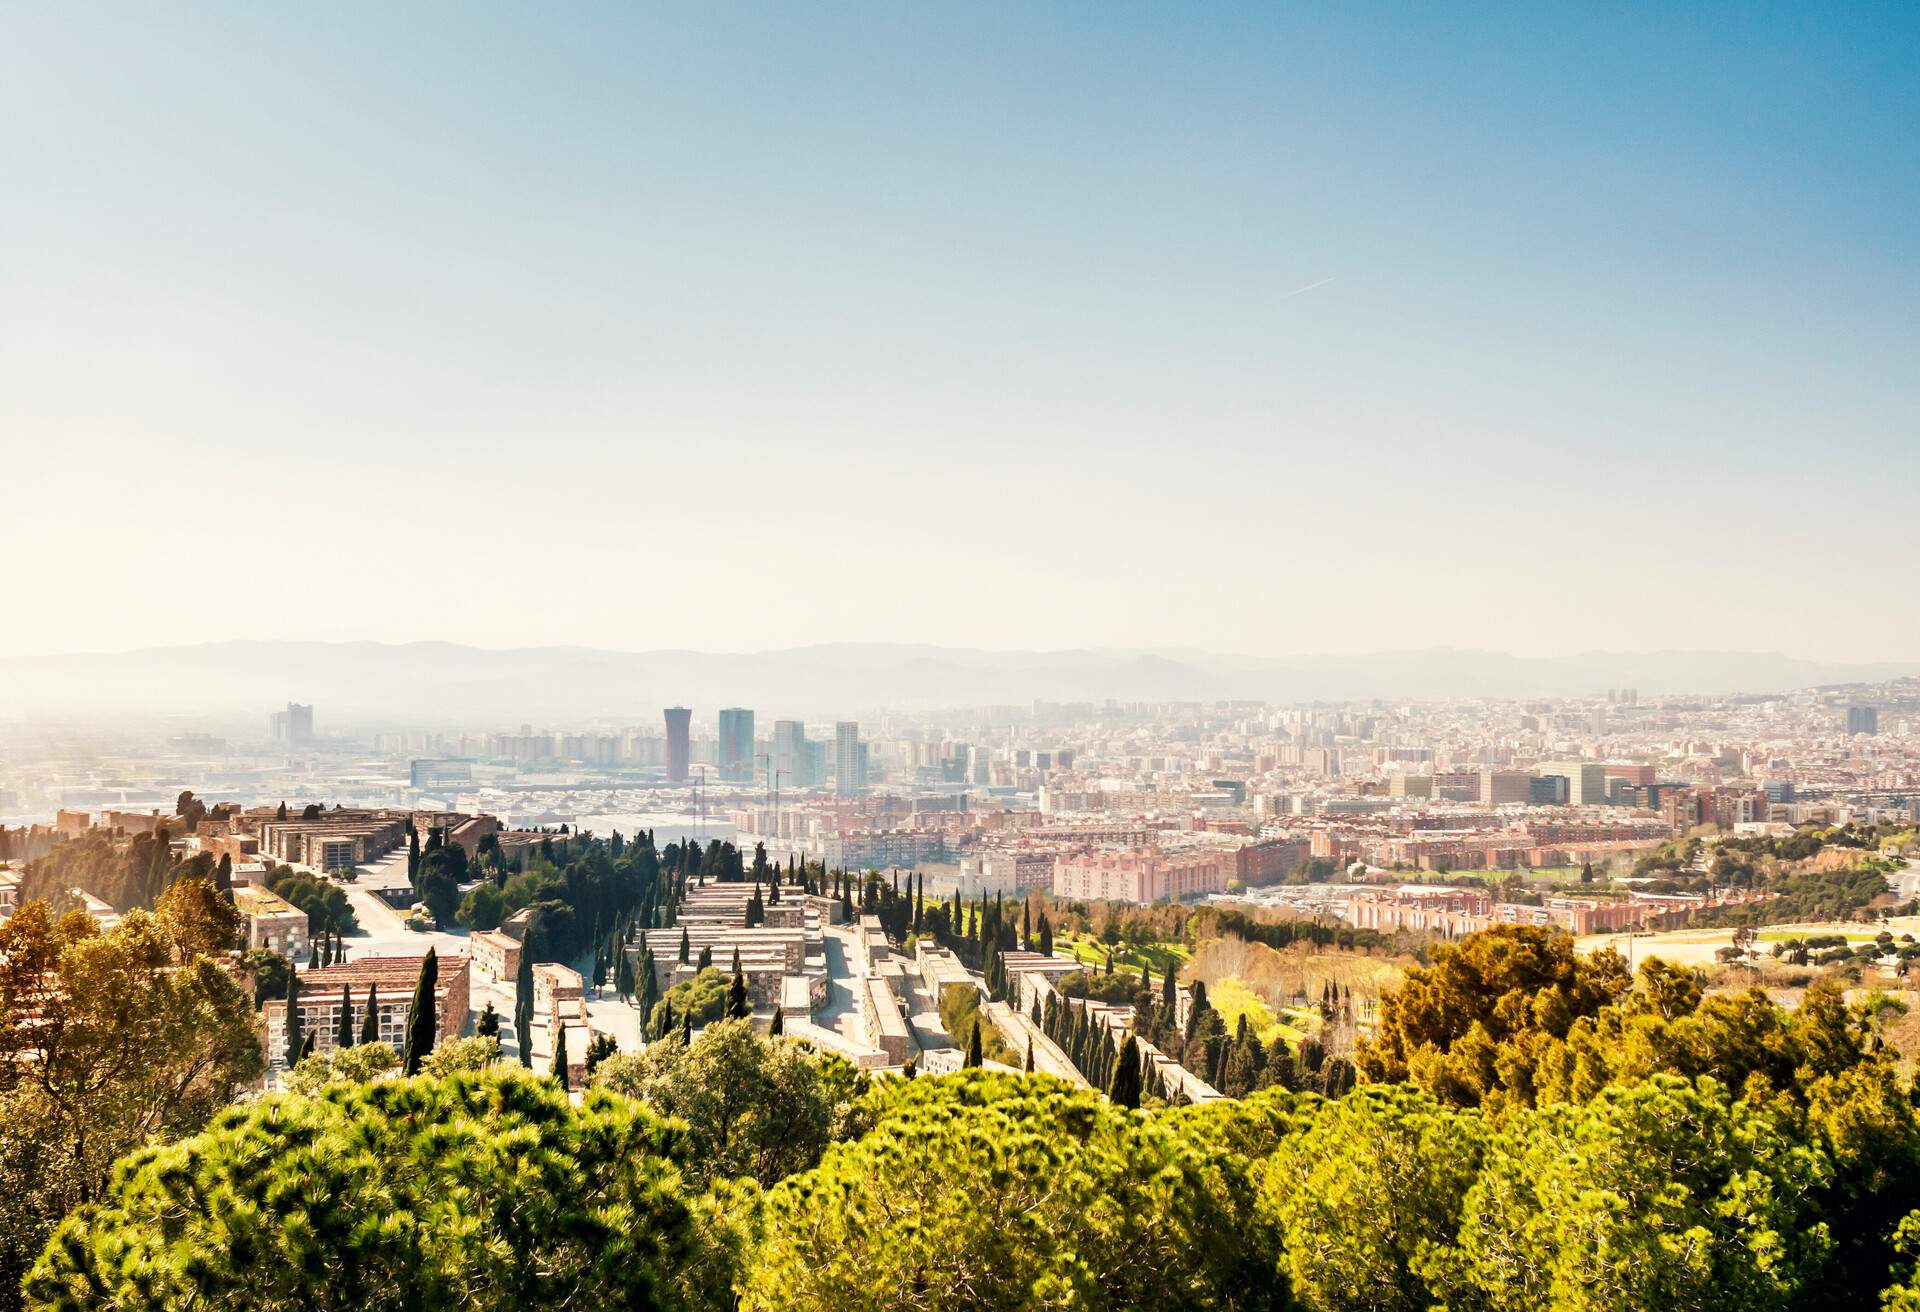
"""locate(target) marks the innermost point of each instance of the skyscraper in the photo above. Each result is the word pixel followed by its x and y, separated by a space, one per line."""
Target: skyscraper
pixel 849 759
pixel 790 755
pixel 736 744
pixel 1863 719
pixel 293 725
pixel 678 720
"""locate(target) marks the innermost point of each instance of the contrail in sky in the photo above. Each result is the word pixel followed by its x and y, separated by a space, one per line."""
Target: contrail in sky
pixel 1301 291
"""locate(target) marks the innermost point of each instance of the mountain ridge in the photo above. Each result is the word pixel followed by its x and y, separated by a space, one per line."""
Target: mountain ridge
pixel 355 681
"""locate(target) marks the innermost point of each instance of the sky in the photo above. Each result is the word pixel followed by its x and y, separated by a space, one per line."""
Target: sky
pixel 1258 329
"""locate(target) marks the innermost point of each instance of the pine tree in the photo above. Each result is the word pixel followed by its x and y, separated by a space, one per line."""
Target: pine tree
pixel 488 1026
pixel 973 1046
pixel 370 1020
pixel 778 1026
pixel 560 1072
pixel 293 1017
pixel 346 1018
pixel 421 1015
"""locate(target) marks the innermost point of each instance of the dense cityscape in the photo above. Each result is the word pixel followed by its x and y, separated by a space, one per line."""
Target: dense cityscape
pixel 1160 906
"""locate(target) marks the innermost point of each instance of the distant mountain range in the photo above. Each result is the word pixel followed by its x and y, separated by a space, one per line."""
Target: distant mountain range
pixel 358 683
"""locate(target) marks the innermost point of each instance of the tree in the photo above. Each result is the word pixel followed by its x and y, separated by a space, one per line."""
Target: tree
pixel 474 1054
pixel 483 1191
pixel 422 1015
pixel 488 1026
pixel 739 1005
pixel 199 917
pixel 1125 1087
pixel 523 1009
pixel 359 1064
pixel 685 945
pixel 560 1071
pixel 778 1025
pixel 972 1061
pixel 991 1190
pixel 291 1017
pixel 696 1001
pixel 754 1105
pixel 370 1019
pixel 1360 1198
pixel 108 1040
pixel 706 957
pixel 1469 1028
pixel 1666 1193
pixel 345 1027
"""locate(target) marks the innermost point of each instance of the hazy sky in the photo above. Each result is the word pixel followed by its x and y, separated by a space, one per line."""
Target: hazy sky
pixel 1276 329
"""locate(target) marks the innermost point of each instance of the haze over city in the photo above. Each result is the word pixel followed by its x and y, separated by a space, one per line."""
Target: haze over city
pixel 959 659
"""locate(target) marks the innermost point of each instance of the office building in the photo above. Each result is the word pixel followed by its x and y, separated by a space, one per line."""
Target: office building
pixel 790 755
pixel 293 725
pixel 679 718
pixel 849 759
pixel 736 744
pixel 1505 787
pixel 1586 780
pixel 1863 719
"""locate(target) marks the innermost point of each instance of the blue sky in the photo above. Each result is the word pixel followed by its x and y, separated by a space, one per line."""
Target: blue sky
pixel 1541 328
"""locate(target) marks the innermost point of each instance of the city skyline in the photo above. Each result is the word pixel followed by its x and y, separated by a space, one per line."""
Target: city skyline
pixel 1332 330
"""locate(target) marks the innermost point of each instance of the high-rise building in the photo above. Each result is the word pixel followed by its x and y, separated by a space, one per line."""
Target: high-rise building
pixel 293 725
pixel 679 718
pixel 1863 719
pixel 790 755
pixel 1586 780
pixel 736 744
pixel 849 759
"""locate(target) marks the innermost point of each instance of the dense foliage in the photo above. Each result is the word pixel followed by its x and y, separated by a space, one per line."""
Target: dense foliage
pixel 108 1040
pixel 475 1191
pixel 753 1107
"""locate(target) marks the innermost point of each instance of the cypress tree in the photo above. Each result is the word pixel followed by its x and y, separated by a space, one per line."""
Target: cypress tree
pixel 370 1020
pixel 1046 936
pixel 706 958
pixel 293 1017
pixel 1124 1089
pixel 306 1049
pixel 523 1008
pixel 623 976
pixel 684 946
pixel 739 1006
pixel 560 1056
pixel 488 1026
pixel 973 1045
pixel 686 1028
pixel 346 1018
pixel 1029 1056
pixel 779 1024
pixel 421 1015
